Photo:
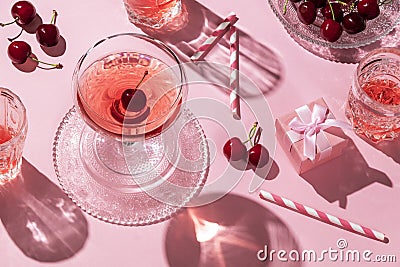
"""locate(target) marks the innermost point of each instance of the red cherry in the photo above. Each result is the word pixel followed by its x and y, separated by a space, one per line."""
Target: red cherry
pixel 136 96
pixel 258 156
pixel 307 12
pixel 19 51
pixel 234 149
pixel 368 9
pixel 23 11
pixel 48 35
pixel 119 115
pixel 133 100
pixel 353 23
pixel 337 11
pixel 318 3
pixel 331 30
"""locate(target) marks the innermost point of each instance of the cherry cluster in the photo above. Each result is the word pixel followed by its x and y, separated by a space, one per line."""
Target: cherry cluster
pixel 257 156
pixel 48 35
pixel 338 15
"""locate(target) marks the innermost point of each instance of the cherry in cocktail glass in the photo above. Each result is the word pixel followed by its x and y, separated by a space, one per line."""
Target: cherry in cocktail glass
pixel 129 88
pixel 373 105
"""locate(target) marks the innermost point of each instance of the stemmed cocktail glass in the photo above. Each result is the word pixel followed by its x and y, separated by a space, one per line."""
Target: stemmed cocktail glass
pixel 119 147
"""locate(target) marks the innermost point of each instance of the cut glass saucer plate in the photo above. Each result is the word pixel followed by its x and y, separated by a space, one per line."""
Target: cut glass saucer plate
pixel 125 203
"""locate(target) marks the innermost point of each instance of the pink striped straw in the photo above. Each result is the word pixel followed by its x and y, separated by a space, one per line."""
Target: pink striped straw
pixel 234 75
pixel 324 217
pixel 214 38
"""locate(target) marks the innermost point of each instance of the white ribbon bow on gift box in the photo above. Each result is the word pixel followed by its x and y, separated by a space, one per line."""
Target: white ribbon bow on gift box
pixel 310 125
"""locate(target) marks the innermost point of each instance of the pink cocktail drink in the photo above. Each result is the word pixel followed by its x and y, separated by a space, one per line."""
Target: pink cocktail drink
pixel 6 163
pixel 374 99
pixel 128 88
pixel 152 13
pixel 13 129
pixel 102 84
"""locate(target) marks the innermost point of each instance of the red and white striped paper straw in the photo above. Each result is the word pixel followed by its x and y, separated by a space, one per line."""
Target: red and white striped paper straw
pixel 214 38
pixel 324 217
pixel 234 99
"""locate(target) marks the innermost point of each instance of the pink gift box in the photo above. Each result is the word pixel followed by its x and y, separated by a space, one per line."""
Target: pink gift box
pixel 333 137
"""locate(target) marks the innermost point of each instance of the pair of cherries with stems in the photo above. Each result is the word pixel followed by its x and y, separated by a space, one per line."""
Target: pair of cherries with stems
pixel 48 35
pixel 257 156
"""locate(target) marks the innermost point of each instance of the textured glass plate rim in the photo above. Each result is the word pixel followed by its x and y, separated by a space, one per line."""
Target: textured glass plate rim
pixel 173 209
pixel 288 27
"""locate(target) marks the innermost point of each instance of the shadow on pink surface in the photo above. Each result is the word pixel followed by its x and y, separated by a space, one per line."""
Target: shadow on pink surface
pixel 257 61
pixel 41 220
pixel 341 177
pixel 390 148
pixel 228 232
pixel 33 25
pixel 28 66
pixel 57 50
pixel 268 172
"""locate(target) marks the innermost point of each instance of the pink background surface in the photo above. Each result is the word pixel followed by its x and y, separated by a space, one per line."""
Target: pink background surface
pixel 362 186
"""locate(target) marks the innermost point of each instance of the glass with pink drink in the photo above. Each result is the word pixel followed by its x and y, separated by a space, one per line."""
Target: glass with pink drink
pixel 120 141
pixel 374 98
pixel 153 13
pixel 129 88
pixel 13 129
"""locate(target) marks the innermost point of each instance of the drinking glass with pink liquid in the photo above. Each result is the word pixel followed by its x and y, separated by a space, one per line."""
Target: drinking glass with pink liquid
pixel 374 98
pixel 153 13
pixel 120 145
pixel 13 129
pixel 129 88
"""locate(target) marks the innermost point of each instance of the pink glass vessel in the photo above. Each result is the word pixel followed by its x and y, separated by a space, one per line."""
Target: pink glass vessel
pixel 110 151
pixel 152 13
pixel 374 98
pixel 13 129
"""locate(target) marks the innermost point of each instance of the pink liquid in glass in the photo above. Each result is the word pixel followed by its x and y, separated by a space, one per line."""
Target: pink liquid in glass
pixel 7 162
pixel 374 98
pixel 152 13
pixel 102 84
pixel 383 91
pixel 372 122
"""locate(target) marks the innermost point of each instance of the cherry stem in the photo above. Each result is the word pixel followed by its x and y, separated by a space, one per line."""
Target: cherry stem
pixel 58 66
pixel 14 38
pixel 257 136
pixel 285 7
pixel 342 3
pixel 9 23
pixel 252 132
pixel 331 8
pixel 353 5
pixel 384 2
pixel 144 76
pixel 54 17
pixel 54 66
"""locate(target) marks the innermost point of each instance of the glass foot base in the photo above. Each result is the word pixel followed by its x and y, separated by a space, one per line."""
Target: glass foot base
pixel 108 191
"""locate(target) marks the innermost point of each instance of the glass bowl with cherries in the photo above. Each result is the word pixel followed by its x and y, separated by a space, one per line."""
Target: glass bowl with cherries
pixel 341 24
